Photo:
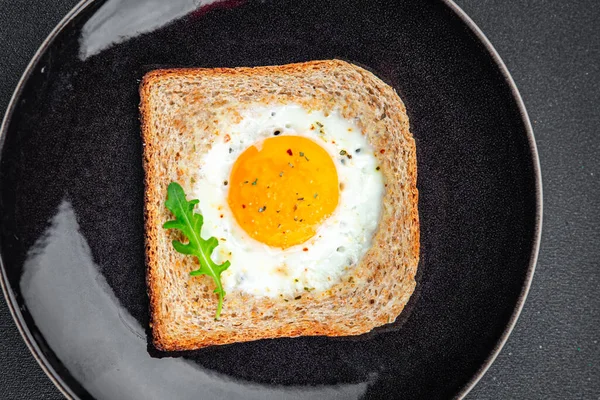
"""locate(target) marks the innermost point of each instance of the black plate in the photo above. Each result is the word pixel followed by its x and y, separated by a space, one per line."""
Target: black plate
pixel 71 197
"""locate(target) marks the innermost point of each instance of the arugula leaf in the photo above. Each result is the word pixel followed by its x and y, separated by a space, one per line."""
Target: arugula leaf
pixel 190 224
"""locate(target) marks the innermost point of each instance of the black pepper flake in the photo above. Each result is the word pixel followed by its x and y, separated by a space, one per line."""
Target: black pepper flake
pixel 320 125
pixel 245 182
pixel 276 133
pixel 290 153
pixel 230 150
pixel 343 161
pixel 306 158
pixel 357 150
pixel 225 183
pixel 349 156
pixel 254 183
pixel 378 168
pixel 300 198
pixel 278 211
pixel 342 152
pixel 297 297
pixel 262 209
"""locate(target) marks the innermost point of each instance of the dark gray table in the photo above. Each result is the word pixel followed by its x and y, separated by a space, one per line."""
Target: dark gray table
pixel 552 49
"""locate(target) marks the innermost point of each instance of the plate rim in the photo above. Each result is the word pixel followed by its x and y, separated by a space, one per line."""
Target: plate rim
pixel 464 17
pixel 66 390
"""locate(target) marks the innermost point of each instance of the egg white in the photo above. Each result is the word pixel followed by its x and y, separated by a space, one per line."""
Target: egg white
pixel 341 240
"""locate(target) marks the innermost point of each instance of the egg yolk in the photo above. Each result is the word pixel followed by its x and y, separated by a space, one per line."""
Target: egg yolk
pixel 282 188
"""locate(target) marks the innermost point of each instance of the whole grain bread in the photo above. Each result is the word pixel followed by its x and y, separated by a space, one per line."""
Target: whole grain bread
pixel 178 113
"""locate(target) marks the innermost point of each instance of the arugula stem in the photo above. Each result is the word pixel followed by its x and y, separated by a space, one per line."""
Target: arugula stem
pixel 219 306
pixel 217 280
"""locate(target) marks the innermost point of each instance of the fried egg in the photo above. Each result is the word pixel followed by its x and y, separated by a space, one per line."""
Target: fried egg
pixel 294 197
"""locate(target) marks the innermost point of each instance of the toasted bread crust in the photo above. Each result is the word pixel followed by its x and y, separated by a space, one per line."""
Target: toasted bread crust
pixel 174 103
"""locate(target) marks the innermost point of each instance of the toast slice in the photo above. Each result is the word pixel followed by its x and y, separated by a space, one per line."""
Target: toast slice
pixel 176 109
